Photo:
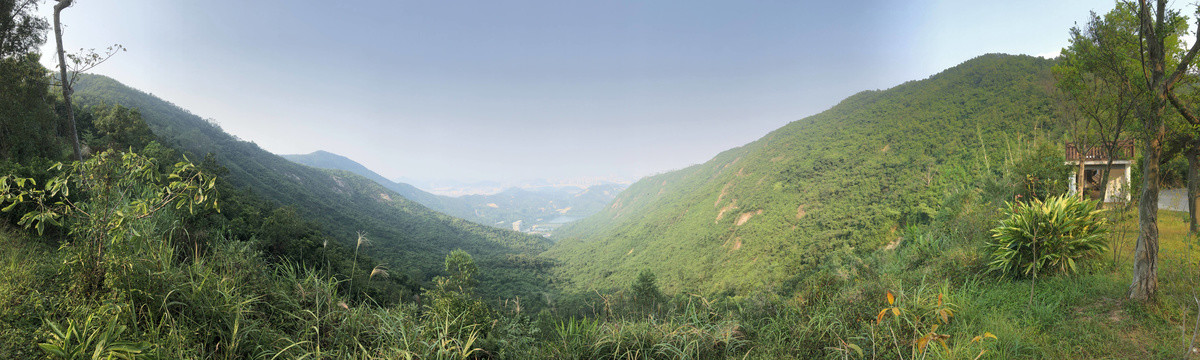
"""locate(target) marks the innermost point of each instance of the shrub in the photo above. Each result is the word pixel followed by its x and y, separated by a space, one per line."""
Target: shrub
pixel 1041 237
pixel 101 336
pixel 1039 173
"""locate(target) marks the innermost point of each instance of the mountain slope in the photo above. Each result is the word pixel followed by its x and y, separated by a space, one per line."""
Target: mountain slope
pixel 545 207
pixel 327 160
pixel 815 192
pixel 405 234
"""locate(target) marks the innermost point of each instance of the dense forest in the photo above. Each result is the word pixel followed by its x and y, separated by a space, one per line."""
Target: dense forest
pixel 931 220
pixel 816 193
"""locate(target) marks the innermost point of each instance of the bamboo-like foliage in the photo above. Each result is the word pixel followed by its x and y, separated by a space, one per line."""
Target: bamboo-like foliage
pixel 100 336
pixel 1044 237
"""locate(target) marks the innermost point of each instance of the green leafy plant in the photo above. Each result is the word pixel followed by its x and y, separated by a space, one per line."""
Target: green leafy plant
pixel 917 320
pixel 100 336
pixel 1048 236
pixel 111 190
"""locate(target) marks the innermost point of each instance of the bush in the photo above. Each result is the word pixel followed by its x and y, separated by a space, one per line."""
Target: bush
pixel 1039 173
pixel 1041 237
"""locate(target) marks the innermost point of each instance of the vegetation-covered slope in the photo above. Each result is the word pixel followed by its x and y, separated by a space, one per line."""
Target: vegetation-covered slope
pixel 806 195
pixel 327 160
pixel 530 207
pixel 409 237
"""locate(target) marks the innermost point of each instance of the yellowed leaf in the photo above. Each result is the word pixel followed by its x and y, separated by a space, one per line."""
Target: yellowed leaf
pixel 891 298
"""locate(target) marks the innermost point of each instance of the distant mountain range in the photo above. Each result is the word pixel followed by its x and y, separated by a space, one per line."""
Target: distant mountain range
pixel 538 210
pixel 461 188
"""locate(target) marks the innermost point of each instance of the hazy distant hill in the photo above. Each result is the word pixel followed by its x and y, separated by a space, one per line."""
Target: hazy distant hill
pixel 500 210
pixel 543 205
pixel 815 192
pixel 405 234
pixel 327 160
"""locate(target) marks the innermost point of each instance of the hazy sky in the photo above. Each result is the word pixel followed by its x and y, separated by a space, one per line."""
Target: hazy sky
pixel 506 90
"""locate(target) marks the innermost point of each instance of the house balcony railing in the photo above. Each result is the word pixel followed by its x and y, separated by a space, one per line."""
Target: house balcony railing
pixel 1123 151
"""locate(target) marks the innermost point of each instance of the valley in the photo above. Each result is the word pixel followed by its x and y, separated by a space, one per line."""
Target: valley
pixel 932 218
pixel 537 211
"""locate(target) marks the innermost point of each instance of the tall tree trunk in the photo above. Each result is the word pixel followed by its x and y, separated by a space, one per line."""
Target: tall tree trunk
pixel 62 75
pixel 1145 255
pixel 1153 31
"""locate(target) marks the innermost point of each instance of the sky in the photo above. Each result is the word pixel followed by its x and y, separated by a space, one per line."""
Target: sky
pixel 557 90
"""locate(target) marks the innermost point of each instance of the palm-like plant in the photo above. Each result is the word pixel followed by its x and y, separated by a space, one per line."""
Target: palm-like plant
pixel 1047 236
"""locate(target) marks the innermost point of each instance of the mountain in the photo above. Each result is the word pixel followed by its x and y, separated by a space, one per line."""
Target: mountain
pixel 816 192
pixel 406 235
pixel 540 210
pixel 327 160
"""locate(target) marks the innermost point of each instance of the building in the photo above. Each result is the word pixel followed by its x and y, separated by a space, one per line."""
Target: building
pixel 1094 161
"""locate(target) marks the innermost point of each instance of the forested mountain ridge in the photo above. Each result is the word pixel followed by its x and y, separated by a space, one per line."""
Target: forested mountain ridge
pixel 813 193
pixel 409 237
pixel 530 207
pixel 327 160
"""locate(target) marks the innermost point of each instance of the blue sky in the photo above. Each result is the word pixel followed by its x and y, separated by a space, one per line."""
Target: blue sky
pixel 508 90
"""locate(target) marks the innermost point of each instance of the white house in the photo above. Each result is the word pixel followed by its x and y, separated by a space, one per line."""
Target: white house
pixel 1094 161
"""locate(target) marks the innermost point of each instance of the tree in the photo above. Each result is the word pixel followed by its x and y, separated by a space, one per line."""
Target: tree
pixel 121 128
pixel 1156 30
pixel 1039 173
pixel 645 291
pixel 62 76
pixel 27 122
pixel 82 62
pixel 462 269
pixel 28 125
pixel 1097 73
pixel 20 32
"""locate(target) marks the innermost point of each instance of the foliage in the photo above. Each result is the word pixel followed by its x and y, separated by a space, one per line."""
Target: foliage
pixel 1039 172
pixel 1047 237
pixel 645 291
pixel 100 336
pixel 21 31
pixel 919 321
pixel 462 270
pixel 698 331
pixel 121 188
pixel 336 204
pixel 882 203
pixel 120 128
pixel 821 192
pixel 452 302
pixel 28 125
